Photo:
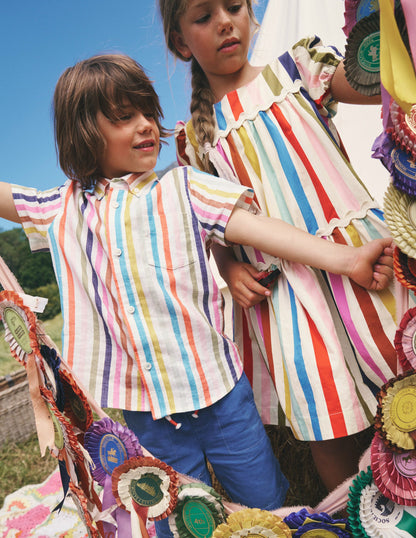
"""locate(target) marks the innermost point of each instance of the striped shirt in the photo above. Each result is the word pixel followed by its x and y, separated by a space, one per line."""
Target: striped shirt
pixel 142 315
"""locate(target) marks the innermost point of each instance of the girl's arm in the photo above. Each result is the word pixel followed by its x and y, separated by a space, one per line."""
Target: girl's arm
pixel 240 277
pixel 7 207
pixel 370 265
pixel 344 93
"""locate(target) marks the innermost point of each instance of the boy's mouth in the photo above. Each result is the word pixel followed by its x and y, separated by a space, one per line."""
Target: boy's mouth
pixel 147 144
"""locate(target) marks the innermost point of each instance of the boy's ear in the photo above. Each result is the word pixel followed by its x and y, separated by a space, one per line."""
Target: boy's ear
pixel 180 45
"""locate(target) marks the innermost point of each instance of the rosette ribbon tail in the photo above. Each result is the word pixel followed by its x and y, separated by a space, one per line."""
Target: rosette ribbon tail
pixel 138 520
pixel 43 421
pixel 108 502
pixel 396 67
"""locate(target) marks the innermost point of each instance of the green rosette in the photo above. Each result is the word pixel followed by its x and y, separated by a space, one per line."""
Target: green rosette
pixel 363 480
pixel 198 512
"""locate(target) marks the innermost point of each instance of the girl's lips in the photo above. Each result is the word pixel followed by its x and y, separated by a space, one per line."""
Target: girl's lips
pixel 229 44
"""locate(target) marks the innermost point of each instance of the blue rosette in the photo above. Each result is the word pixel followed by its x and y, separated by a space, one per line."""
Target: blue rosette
pixel 320 524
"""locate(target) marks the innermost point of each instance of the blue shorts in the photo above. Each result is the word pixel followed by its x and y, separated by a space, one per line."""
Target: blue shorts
pixel 230 435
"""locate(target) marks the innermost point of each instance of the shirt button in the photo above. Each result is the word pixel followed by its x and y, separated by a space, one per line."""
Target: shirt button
pixel 130 309
pixel 148 366
pixel 118 252
pixel 115 204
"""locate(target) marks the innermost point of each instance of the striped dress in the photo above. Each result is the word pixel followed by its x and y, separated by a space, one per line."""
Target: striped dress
pixel 326 343
pixel 142 315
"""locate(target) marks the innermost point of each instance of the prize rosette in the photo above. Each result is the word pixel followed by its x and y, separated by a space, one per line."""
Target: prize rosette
pixel 66 443
pixel 76 406
pixel 19 326
pixel 199 510
pixel 396 412
pixel 362 55
pixel 403 171
pixel 81 504
pixel 146 486
pixel 109 444
pixel 305 524
pixel 371 514
pixel 355 10
pixel 405 340
pixel 400 215
pixel 394 473
pixel 403 131
pixel 252 522
pixel 404 269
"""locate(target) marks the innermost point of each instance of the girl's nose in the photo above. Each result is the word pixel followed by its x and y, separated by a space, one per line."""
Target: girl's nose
pixel 224 21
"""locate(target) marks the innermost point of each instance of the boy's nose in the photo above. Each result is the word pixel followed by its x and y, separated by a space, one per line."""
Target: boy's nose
pixel 143 123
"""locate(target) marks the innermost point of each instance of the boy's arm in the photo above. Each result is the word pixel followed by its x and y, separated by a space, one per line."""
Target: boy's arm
pixel 344 93
pixel 369 266
pixel 7 207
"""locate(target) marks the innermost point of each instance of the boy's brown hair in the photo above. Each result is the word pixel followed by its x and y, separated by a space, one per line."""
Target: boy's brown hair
pixel 103 83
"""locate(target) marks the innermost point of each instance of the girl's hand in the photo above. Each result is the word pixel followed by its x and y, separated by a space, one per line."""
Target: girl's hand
pixel 241 280
pixel 373 268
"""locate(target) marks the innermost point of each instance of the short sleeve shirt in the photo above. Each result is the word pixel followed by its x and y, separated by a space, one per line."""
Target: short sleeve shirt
pixel 142 314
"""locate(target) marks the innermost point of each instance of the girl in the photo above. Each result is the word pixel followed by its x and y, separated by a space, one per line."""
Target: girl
pixel 326 342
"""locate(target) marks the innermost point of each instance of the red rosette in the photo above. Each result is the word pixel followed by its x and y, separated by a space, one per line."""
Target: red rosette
pixel 403 131
pixel 405 340
pixel 66 442
pixel 77 408
pixel 394 474
pixel 19 326
pixel 404 269
pixel 395 420
pixel 146 486
pixel 81 504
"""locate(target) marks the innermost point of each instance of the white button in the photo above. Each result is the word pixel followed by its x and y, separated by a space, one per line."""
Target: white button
pixel 130 309
pixel 115 204
pixel 148 366
pixel 117 252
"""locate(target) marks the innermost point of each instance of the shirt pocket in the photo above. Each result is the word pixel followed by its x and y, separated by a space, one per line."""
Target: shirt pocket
pixel 171 245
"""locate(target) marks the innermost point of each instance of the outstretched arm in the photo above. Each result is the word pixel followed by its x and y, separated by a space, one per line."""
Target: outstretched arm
pixel 344 93
pixel 369 266
pixel 7 207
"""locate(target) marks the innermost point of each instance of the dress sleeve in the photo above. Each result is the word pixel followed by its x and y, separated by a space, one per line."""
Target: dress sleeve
pixel 316 65
pixel 187 149
pixel 37 210
pixel 213 199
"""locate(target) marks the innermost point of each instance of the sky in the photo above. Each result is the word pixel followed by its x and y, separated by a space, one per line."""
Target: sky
pixel 39 40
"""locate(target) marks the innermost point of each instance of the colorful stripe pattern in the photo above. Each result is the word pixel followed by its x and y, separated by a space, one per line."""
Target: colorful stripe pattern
pixel 143 316
pixel 326 343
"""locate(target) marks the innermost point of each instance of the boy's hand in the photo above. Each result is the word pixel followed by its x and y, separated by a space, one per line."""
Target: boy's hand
pixel 373 268
pixel 241 280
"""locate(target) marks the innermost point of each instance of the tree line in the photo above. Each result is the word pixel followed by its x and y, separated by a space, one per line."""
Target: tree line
pixel 34 271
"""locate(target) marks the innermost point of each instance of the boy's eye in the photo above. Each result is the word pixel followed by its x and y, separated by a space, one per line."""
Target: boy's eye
pixel 124 117
pixel 202 19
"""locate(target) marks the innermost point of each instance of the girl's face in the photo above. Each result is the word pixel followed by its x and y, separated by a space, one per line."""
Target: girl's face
pixel 217 34
pixel 132 143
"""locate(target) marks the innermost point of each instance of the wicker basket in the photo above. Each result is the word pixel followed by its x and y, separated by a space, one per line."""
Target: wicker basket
pixel 17 421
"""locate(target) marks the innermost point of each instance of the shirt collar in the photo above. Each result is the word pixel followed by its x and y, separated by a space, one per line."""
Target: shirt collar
pixel 134 182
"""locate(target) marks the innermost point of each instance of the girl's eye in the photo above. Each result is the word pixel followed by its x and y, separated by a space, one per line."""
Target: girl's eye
pixel 124 117
pixel 202 19
pixel 235 8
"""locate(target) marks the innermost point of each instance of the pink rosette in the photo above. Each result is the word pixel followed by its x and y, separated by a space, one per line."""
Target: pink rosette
pixel 405 340
pixel 394 474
